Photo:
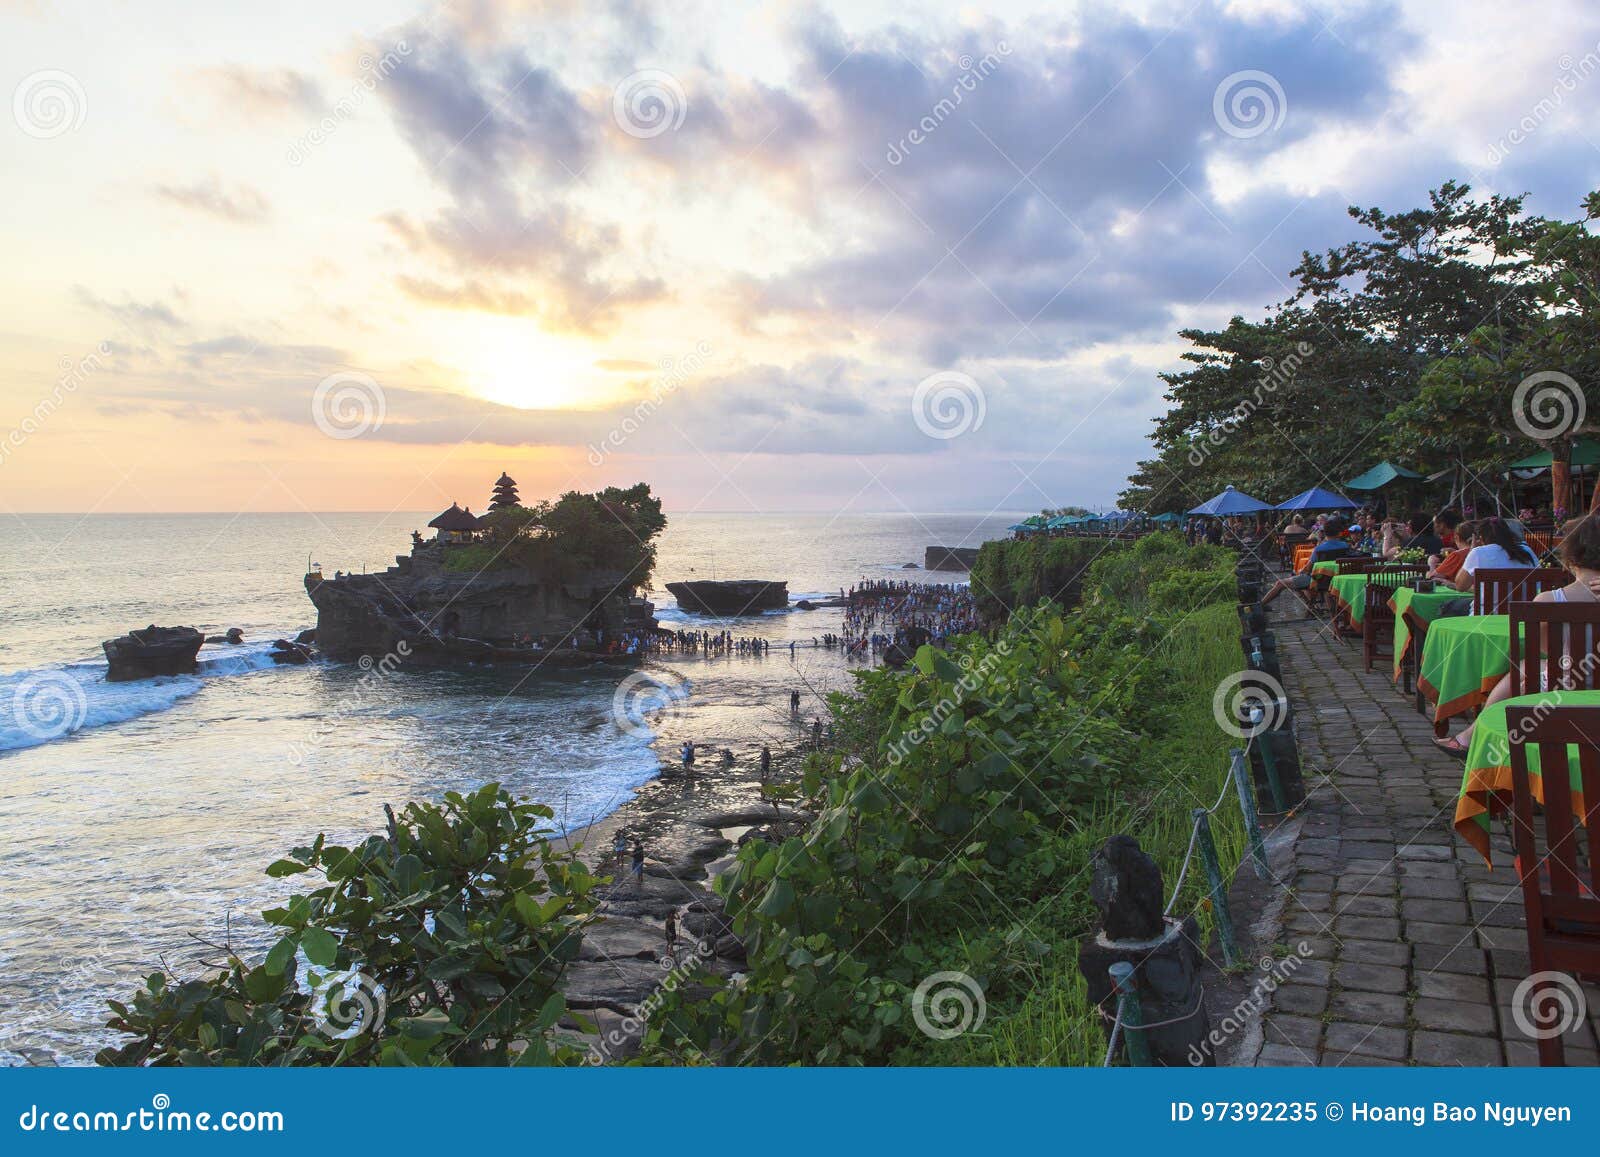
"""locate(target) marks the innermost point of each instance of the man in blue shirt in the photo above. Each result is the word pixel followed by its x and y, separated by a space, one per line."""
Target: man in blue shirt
pixel 1331 547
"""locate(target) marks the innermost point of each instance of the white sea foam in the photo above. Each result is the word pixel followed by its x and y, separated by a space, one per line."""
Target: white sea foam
pixel 52 703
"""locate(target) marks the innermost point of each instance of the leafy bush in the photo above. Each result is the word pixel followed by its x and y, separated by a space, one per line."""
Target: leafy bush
pixel 441 943
pixel 956 818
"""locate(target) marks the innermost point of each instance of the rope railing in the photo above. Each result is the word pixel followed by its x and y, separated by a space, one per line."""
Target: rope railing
pixel 1128 1026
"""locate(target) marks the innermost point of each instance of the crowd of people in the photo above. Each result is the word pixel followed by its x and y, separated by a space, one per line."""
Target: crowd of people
pixel 883 612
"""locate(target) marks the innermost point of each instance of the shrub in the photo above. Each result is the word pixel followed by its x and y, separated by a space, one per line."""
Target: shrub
pixel 441 943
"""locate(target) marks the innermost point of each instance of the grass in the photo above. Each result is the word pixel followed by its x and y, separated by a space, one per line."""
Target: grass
pixel 1187 757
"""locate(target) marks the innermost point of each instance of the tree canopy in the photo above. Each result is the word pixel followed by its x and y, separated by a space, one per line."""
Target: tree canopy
pixel 1459 335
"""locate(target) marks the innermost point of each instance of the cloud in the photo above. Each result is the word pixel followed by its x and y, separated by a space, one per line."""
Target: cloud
pixel 256 92
pixel 241 205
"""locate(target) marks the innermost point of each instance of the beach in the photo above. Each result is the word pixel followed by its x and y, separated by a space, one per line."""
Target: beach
pixel 151 822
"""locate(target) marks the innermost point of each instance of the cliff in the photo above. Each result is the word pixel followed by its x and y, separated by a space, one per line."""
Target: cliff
pixel 950 557
pixel 448 617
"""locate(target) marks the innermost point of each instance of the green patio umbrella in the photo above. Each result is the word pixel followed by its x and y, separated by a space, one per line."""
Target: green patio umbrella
pixel 1585 452
pixel 1380 476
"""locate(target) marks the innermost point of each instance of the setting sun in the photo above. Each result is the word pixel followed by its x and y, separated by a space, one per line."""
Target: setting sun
pixel 513 362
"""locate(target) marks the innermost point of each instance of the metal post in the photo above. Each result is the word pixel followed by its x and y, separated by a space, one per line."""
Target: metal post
pixel 1247 805
pixel 1130 1013
pixel 1219 887
pixel 1269 764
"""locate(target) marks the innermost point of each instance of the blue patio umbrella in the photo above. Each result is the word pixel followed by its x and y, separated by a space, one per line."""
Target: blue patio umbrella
pixel 1230 501
pixel 1168 517
pixel 1318 499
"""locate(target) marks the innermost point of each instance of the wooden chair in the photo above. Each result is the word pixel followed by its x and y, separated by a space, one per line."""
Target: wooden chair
pixel 1377 619
pixel 1559 888
pixel 1494 588
pixel 1360 564
pixel 1554 646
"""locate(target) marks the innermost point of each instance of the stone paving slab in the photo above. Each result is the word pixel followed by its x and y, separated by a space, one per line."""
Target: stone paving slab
pixel 1414 949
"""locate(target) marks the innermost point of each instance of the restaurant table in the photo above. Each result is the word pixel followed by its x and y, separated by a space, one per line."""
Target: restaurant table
pixel 1329 567
pixel 1486 783
pixel 1350 594
pixel 1462 660
pixel 1424 608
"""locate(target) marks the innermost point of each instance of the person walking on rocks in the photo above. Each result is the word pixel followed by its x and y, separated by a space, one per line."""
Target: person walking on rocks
pixel 816 734
pixel 619 848
pixel 672 931
pixel 638 863
pixel 766 762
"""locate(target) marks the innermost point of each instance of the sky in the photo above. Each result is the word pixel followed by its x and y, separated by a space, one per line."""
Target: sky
pixel 765 257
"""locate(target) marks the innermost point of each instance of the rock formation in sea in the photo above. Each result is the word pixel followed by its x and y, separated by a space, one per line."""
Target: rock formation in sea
pixel 950 557
pixel 152 651
pixel 730 596
pixel 506 588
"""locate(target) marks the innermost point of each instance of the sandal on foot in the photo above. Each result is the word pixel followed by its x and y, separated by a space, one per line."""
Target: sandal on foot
pixel 1452 746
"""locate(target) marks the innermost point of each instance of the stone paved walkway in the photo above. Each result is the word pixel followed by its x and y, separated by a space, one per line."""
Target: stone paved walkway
pixel 1416 947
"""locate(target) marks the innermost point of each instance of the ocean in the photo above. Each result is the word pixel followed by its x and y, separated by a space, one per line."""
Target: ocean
pixel 148 825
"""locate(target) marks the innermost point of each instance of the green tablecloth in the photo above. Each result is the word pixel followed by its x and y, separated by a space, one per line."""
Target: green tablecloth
pixel 1425 607
pixel 1350 592
pixel 1486 784
pixel 1324 568
pixel 1462 660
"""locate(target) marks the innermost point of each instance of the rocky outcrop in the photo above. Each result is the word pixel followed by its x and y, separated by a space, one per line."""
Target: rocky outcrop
pixel 950 558
pixel 429 615
pixel 730 596
pixel 152 651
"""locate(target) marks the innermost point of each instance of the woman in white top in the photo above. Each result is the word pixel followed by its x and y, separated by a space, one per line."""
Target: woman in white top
pixel 1580 554
pixel 1498 548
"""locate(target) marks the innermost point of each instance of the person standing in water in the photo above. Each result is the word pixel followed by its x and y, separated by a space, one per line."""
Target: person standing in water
pixel 794 704
pixel 766 762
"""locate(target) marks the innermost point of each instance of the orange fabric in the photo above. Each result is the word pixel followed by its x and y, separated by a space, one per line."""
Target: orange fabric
pixel 1488 789
pixel 1302 555
pixel 1462 703
pixel 1450 566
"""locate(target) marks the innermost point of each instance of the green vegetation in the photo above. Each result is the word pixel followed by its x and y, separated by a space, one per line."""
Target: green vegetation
pixel 612 532
pixel 449 934
pixel 956 818
pixel 1408 343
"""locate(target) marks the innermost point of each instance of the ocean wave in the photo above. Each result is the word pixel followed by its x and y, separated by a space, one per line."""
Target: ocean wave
pixel 51 703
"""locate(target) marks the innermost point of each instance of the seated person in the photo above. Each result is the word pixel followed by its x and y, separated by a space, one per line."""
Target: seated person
pixel 1448 566
pixel 1580 554
pixel 1418 535
pixel 1498 548
pixel 1332 546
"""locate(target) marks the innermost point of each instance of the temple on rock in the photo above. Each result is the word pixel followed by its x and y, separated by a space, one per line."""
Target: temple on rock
pixel 455 524
pixel 505 494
